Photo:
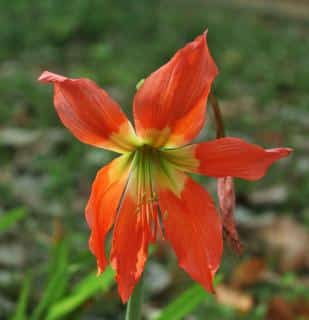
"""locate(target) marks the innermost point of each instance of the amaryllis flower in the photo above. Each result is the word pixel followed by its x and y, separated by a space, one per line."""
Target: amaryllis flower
pixel 146 191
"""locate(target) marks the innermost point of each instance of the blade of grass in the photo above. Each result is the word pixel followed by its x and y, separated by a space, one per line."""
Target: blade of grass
pixel 85 289
pixel 57 282
pixel 134 305
pixel 20 312
pixel 184 304
pixel 10 218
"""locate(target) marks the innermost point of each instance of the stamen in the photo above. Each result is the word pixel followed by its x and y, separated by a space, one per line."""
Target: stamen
pixel 147 199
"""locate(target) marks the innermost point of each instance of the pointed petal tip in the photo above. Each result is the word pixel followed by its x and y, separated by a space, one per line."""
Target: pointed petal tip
pixel 44 77
pixel 101 266
pixel 204 35
pixel 48 77
pixel 124 291
pixel 288 150
pixel 281 152
pixel 212 289
pixel 200 41
pixel 204 40
pixel 99 271
pixel 123 296
pixel 209 286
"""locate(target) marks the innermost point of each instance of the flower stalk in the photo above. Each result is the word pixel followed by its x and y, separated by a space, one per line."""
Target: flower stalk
pixel 135 302
pixel 220 132
pixel 226 188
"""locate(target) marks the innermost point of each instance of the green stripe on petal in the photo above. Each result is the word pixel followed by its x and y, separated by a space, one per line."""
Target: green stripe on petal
pixel 182 158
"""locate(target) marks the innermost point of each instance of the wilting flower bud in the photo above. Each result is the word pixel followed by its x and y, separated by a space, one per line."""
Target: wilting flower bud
pixel 226 195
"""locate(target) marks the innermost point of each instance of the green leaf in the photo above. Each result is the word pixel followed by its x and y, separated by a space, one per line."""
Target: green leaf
pixel 187 302
pixel 184 304
pixel 20 312
pixel 57 281
pixel 85 289
pixel 10 218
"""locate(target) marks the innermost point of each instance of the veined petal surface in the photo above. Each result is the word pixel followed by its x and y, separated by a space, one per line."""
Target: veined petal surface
pixel 101 208
pixel 90 113
pixel 236 158
pixel 170 106
pixel 193 227
pixel 132 234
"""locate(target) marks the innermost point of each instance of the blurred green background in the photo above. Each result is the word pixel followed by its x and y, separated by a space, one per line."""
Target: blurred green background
pixel 261 49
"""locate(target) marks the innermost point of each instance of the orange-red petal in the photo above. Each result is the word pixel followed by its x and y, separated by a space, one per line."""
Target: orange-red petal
pixel 90 113
pixel 193 228
pixel 131 238
pixel 101 208
pixel 170 106
pixel 236 158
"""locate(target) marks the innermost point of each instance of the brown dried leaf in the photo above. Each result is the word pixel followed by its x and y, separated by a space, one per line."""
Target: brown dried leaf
pixel 248 273
pixel 280 309
pixel 289 240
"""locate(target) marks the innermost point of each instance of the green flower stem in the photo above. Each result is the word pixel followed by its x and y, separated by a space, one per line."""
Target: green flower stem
pixel 135 302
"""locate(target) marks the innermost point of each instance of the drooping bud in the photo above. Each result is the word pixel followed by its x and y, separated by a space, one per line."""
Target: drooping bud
pixel 226 195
